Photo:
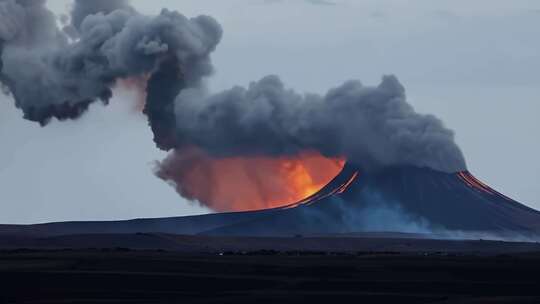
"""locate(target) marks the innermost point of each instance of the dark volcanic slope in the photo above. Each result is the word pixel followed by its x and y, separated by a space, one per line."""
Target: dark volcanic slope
pixel 439 202
pixel 176 225
pixel 189 225
pixel 453 201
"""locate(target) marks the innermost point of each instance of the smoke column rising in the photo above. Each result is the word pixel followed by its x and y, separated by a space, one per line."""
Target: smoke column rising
pixel 58 73
pixel 373 127
pixel 51 77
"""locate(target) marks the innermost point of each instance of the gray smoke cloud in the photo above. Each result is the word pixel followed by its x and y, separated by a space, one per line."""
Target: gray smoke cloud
pixel 373 127
pixel 84 8
pixel 52 77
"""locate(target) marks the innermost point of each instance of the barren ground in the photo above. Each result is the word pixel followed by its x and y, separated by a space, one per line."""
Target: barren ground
pixel 121 275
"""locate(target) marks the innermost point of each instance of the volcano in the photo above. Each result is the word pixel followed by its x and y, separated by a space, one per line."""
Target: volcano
pixel 400 199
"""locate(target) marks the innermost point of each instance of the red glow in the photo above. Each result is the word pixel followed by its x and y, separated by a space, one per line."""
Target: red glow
pixel 251 183
pixel 473 182
pixel 344 188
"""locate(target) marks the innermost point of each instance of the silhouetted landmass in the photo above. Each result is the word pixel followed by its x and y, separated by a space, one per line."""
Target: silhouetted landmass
pixel 315 251
pixel 404 199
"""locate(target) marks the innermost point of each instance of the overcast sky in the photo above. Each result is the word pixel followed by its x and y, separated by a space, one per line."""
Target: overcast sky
pixel 473 63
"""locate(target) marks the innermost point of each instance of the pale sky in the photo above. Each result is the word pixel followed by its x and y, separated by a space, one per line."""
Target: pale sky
pixel 472 63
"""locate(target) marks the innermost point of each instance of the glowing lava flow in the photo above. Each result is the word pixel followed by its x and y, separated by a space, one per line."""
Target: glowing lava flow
pixel 346 186
pixel 320 196
pixel 248 183
pixel 475 183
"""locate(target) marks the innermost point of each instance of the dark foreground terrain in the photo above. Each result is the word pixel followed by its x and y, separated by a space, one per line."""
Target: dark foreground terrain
pixel 463 272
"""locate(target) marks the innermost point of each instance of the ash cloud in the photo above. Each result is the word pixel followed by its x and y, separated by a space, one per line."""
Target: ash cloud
pixel 373 127
pixel 84 8
pixel 52 77
pixel 162 88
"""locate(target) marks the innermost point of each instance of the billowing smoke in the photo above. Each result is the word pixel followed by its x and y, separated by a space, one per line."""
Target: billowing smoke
pixel 84 8
pixel 372 127
pixel 55 73
pixel 52 77
pixel 163 87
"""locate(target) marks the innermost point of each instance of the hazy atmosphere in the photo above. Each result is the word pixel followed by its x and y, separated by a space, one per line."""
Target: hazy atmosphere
pixel 471 63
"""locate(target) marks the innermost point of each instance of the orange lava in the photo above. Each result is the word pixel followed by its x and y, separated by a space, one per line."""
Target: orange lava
pixel 346 186
pixel 477 184
pixel 251 183
pixel 473 182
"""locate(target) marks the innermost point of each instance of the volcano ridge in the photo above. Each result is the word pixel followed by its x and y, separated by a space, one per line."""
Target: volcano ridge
pixel 430 201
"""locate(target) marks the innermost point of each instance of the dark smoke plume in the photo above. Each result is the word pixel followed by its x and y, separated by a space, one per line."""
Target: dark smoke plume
pixel 372 127
pixel 55 75
pixel 163 87
pixel 84 8
pixel 51 77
